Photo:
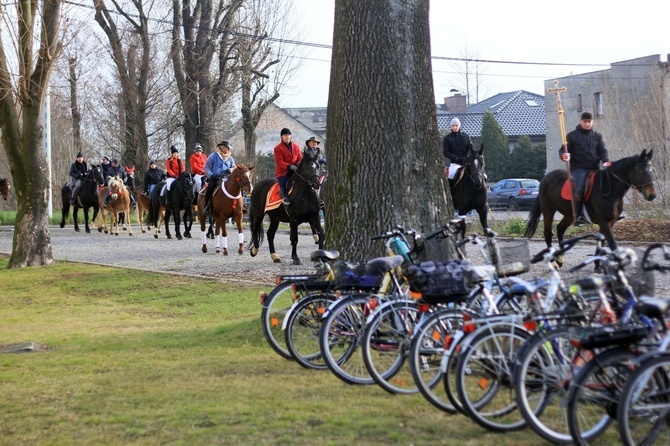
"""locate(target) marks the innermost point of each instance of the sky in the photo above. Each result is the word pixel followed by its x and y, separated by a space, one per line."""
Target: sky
pixel 574 33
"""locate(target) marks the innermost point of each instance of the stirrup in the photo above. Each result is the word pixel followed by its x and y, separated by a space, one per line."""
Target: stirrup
pixel 285 201
pixel 581 221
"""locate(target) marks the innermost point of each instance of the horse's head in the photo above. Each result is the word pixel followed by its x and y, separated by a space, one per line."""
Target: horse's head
pixel 4 188
pixel 474 167
pixel 95 175
pixel 642 177
pixel 241 176
pixel 310 167
pixel 186 182
pixel 115 187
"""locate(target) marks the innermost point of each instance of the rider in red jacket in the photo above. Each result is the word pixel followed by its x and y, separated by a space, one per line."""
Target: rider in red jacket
pixel 287 156
pixel 174 166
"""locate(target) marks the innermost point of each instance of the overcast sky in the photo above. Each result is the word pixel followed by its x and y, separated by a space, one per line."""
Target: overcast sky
pixel 572 32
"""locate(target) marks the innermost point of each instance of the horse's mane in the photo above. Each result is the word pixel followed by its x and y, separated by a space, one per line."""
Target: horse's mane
pixel 625 162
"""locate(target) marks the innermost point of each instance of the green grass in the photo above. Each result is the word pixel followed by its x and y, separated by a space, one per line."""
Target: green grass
pixel 128 357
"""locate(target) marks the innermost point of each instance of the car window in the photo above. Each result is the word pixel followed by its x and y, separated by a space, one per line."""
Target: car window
pixel 532 184
pixel 496 187
pixel 510 185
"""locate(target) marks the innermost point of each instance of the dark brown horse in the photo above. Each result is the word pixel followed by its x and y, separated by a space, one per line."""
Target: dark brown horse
pixel 605 204
pixel 304 208
pixel 468 188
pixel 227 202
pixel 5 188
pixel 86 199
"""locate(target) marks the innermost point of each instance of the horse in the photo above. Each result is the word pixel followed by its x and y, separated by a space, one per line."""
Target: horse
pixel 119 202
pixel 87 198
pixel 181 199
pixel 129 182
pixel 143 206
pixel 304 207
pixel 5 188
pixel 226 202
pixel 605 203
pixel 468 188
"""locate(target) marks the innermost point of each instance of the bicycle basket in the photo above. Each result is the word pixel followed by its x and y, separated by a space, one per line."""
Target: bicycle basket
pixel 642 282
pixel 511 258
pixel 436 249
pixel 439 281
pixel 607 336
pixel 352 275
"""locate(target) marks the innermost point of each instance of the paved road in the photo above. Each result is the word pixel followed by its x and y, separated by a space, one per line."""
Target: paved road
pixel 143 251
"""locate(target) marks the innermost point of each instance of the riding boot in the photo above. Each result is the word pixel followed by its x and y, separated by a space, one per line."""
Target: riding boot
pixel 167 200
pixel 133 203
pixel 107 198
pixel 73 200
pixel 579 205
pixel 284 199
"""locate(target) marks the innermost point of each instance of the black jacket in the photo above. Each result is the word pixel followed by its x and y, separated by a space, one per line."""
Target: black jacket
pixel 115 171
pixel 78 170
pixel 152 176
pixel 456 146
pixel 586 148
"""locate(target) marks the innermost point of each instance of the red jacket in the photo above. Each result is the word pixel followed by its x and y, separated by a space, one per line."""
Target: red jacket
pixel 284 158
pixel 174 167
pixel 197 161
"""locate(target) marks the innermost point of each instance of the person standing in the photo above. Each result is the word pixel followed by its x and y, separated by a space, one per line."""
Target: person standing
pixel 78 171
pixel 197 162
pixel 585 151
pixel 218 166
pixel 287 155
pixel 455 147
pixel 174 166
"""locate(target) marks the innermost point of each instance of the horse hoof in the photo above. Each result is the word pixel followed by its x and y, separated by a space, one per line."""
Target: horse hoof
pixel 62 225
pixel 225 252
pixel 169 237
pixel 218 251
pixel 178 237
pixel 116 234
pixel 88 231
pixel 240 251
pixel 204 249
pixel 253 252
pixel 297 262
pixel 277 260
pixel 143 232
pixel 130 234
pixel 99 229
pixel 125 229
pixel 76 230
pixel 155 235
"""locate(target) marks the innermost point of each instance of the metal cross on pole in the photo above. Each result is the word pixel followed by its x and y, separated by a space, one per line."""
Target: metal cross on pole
pixel 559 109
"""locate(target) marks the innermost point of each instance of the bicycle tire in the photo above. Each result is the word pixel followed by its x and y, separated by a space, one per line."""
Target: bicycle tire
pixel 340 337
pixel 593 399
pixel 302 330
pixel 487 364
pixel 386 343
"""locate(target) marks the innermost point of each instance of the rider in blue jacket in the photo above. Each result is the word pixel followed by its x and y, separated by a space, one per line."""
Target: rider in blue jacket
pixel 218 166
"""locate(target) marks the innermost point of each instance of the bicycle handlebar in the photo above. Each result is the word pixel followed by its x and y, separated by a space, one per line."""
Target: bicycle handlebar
pixel 648 265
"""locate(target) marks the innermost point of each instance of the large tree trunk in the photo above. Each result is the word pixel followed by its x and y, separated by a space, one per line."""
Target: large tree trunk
pixel 384 154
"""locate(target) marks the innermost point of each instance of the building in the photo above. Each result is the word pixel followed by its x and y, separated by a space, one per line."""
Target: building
pixel 629 102
pixel 519 113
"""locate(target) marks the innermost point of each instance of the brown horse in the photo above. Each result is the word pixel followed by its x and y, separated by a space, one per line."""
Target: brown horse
pixel 227 202
pixel 119 202
pixel 5 188
pixel 605 204
pixel 143 204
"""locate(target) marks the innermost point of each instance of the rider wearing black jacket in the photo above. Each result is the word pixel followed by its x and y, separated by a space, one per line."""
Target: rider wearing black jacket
pixel 77 173
pixel 457 144
pixel 152 176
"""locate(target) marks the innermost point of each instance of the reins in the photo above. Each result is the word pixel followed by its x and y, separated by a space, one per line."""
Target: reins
pixel 608 171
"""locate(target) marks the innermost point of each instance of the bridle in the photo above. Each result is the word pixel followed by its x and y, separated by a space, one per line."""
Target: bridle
pixel 475 176
pixel 313 184
pixel 643 167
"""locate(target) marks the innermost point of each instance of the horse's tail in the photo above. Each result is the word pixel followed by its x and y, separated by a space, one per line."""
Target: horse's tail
pixel 65 195
pixel 533 219
pixel 256 229
pixel 154 206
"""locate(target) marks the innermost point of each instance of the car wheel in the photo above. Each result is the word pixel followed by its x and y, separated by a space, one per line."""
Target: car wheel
pixel 512 204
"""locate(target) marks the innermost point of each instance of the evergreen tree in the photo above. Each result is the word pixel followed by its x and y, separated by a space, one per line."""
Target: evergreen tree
pixel 528 161
pixel 496 148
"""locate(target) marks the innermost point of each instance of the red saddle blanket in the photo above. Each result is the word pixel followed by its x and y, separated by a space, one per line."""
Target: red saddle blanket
pixel 566 190
pixel 273 200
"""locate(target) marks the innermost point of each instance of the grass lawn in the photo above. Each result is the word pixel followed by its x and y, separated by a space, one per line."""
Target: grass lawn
pixel 127 357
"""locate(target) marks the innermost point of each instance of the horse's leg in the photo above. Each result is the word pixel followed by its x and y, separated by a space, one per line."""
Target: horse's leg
pixel 294 243
pixel 177 223
pixel 224 237
pixel 561 227
pixel 210 231
pixel 606 230
pixel 130 226
pixel 203 226
pixel 483 215
pixel 86 228
pixel 240 234
pixel 75 211
pixel 217 235
pixel 272 230
pixel 166 223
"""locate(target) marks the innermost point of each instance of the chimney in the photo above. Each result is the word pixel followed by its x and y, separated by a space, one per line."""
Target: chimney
pixel 456 103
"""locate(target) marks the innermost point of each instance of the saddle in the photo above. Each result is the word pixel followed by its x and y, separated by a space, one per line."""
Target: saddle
pixel 566 190
pixel 273 200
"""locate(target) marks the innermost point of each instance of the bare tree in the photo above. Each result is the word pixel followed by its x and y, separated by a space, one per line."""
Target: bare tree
pixel 202 30
pixel 470 75
pixel 383 142
pixel 21 98
pixel 264 64
pixel 133 67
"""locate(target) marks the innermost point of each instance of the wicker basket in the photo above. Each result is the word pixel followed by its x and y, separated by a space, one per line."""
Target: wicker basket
pixel 510 257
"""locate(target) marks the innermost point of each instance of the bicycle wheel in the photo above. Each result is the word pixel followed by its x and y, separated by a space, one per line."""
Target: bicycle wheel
pixel 542 378
pixel 302 329
pixel 386 343
pixel 643 412
pixel 596 388
pixel 340 336
pixel 426 353
pixel 484 378
pixel 275 306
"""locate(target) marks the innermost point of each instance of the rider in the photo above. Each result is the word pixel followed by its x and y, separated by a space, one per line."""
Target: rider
pixel 152 177
pixel 455 147
pixel 105 166
pixel 218 166
pixel 174 166
pixel 116 170
pixel 78 171
pixel 197 162
pixel 311 144
pixel 585 151
pixel 287 156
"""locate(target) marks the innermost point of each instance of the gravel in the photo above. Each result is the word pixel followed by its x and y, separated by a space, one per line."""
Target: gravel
pixel 144 252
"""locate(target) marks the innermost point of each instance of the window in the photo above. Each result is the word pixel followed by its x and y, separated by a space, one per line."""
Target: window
pixel 531 102
pixel 579 103
pixel 599 103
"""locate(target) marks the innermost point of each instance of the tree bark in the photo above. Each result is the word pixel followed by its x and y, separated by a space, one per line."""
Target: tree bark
pixel 22 132
pixel 74 105
pixel 384 158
